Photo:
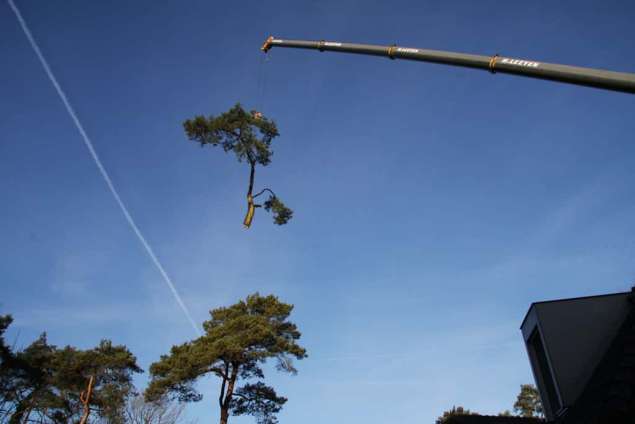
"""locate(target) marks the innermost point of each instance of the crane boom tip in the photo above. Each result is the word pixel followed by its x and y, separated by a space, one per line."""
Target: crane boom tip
pixel 267 44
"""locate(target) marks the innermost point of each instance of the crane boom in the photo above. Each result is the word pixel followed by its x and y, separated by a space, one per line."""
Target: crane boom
pixel 598 78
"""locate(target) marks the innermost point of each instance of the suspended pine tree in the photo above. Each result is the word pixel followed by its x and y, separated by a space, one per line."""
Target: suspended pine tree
pixel 249 136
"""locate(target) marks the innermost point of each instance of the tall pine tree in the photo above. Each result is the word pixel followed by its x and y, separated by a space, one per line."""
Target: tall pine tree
pixel 238 340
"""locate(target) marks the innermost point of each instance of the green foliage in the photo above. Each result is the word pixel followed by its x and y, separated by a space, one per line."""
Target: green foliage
pixel 238 340
pixel 248 135
pixel 527 405
pixel 258 400
pixel 528 402
pixel 281 213
pixel 10 369
pixel 455 411
pixel 44 382
pixel 5 322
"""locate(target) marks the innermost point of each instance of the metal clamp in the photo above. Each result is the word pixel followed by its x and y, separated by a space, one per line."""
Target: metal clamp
pixel 391 51
pixel 321 44
pixel 492 63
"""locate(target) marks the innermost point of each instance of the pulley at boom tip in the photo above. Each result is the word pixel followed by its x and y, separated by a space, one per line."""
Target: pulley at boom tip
pixel 267 44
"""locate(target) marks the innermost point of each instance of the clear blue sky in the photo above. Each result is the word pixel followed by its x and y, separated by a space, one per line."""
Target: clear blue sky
pixel 432 204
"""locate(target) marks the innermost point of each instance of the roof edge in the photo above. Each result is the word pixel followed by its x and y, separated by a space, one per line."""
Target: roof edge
pixel 567 299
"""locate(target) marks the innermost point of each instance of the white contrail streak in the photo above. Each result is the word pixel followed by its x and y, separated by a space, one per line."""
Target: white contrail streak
pixel 101 168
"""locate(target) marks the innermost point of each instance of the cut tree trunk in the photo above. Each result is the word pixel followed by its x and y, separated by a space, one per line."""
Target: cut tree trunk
pixel 250 200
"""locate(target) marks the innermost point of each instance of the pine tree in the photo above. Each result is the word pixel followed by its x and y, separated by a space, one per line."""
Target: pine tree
pixel 528 402
pixel 238 340
pixel 249 136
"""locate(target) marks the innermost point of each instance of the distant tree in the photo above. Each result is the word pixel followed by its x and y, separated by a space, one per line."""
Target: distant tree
pixel 237 340
pixel 249 136
pixel 31 388
pixel 527 405
pixel 9 369
pixel 43 383
pixel 112 367
pixel 162 411
pixel 455 411
pixel 5 350
pixel 528 402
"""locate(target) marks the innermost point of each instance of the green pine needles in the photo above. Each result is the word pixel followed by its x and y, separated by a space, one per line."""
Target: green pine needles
pixel 238 340
pixel 42 383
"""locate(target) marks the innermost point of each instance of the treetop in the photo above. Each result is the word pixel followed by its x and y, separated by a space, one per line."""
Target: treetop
pixel 236 130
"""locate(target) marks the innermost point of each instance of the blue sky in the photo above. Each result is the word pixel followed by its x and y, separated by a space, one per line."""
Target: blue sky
pixel 432 204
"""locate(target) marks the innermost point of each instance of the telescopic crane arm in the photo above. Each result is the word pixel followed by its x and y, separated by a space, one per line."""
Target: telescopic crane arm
pixel 608 80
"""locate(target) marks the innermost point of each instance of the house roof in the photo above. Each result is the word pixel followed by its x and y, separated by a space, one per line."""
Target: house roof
pixel 609 396
pixel 568 299
pixel 490 419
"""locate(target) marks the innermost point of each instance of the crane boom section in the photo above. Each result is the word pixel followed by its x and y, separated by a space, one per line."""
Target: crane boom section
pixel 598 78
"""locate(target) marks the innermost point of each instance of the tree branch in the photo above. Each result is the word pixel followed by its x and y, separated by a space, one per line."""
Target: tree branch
pixel 222 388
pixel 263 190
pixel 230 386
pixel 241 396
pixel 218 371
pixel 252 172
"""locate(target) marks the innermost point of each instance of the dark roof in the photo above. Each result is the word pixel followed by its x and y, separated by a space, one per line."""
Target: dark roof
pixel 567 299
pixel 609 396
pixel 490 419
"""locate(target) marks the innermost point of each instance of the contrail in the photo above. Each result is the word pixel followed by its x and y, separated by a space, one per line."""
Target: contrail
pixel 101 168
